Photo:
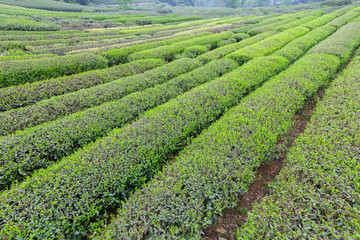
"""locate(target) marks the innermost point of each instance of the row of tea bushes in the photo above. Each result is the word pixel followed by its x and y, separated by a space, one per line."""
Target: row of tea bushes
pixel 341 43
pixel 59 106
pixel 17 24
pixel 73 197
pixel 269 27
pixel 117 56
pixel 170 51
pixel 25 57
pixel 261 23
pixel 340 21
pixel 320 21
pixel 299 46
pixel 321 175
pixel 218 166
pixel 267 46
pixel 33 70
pixel 27 94
pixel 225 50
pixel 294 23
pixel 40 69
pixel 287 23
pixel 74 131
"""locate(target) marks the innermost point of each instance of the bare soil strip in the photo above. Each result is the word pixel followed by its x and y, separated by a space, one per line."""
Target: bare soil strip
pixel 227 225
pixel 232 219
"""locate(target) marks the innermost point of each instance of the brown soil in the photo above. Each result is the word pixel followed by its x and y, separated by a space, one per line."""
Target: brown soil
pixel 227 225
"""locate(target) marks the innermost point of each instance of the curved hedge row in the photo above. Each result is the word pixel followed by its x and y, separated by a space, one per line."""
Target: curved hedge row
pixel 218 166
pixel 72 197
pixel 25 57
pixel 285 24
pixel 35 150
pixel 59 106
pixel 293 24
pixel 225 50
pixel 267 46
pixel 296 48
pixel 341 43
pixel 27 94
pixel 21 24
pixel 169 52
pixel 117 56
pixel 342 20
pixel 320 21
pixel 194 51
pixel 262 22
pixel 313 37
pixel 269 27
pixel 33 70
pixel 321 175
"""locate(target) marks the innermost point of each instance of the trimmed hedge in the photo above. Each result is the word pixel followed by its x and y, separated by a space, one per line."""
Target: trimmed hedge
pixel 72 198
pixel 169 52
pixel 63 105
pixel 225 50
pixel 28 71
pixel 263 22
pixel 220 164
pixel 321 175
pixel 25 57
pixel 194 51
pixel 313 37
pixel 299 46
pixel 295 23
pixel 267 46
pixel 27 94
pixel 240 36
pixel 73 132
pixel 341 43
pixel 320 21
pixel 281 25
pixel 18 24
pixel 342 20
pixel 117 56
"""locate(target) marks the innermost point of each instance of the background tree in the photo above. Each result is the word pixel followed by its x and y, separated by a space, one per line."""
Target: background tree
pixel 124 4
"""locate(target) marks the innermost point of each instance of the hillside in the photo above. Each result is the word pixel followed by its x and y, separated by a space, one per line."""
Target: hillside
pixel 142 124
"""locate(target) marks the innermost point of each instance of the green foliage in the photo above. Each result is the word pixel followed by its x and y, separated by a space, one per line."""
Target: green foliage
pixel 28 71
pixel 240 36
pixel 341 43
pixel 336 2
pixel 64 105
pixel 225 50
pixel 18 24
pixel 145 20
pixel 321 173
pixel 267 46
pixel 25 57
pixel 169 52
pixel 277 26
pixel 85 127
pixel 154 130
pixel 294 23
pixel 342 20
pixel 117 56
pixel 46 5
pixel 219 165
pixel 194 51
pixel 320 21
pixel 27 94
pixel 109 169
pixel 299 46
